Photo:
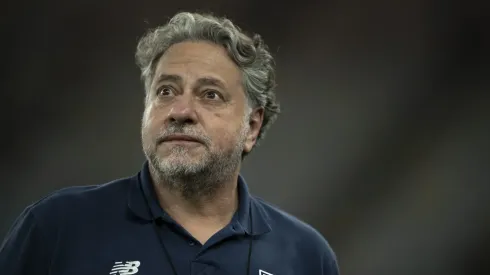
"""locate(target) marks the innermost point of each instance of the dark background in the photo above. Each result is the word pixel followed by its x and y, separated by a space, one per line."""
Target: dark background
pixel 383 143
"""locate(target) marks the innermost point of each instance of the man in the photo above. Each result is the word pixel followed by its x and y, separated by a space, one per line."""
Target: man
pixel 209 99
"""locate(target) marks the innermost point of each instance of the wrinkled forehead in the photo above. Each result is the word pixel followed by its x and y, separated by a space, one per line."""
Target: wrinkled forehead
pixel 192 61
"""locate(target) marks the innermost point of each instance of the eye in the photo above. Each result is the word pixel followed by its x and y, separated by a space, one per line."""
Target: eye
pixel 212 95
pixel 165 91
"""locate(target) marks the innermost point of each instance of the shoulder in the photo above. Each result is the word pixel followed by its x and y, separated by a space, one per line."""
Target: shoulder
pixel 281 220
pixel 291 228
pixel 77 200
pixel 49 223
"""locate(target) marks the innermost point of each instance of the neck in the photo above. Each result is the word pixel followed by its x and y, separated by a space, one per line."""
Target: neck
pixel 218 206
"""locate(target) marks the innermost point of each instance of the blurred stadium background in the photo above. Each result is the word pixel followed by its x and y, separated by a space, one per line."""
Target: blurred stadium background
pixel 383 144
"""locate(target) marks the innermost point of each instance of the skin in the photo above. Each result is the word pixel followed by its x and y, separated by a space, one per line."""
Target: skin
pixel 197 91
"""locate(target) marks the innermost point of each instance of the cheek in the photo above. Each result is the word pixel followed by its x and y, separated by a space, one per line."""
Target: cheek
pixel 225 136
pixel 146 122
pixel 149 125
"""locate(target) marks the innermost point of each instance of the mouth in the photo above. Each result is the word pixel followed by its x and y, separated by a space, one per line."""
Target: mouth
pixel 179 139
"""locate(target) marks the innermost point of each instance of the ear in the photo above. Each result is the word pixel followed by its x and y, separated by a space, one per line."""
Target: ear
pixel 255 123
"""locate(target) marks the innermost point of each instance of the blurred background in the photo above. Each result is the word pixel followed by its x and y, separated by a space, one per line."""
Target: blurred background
pixel 383 143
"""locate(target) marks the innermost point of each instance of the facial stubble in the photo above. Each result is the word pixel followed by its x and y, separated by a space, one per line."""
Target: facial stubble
pixel 201 178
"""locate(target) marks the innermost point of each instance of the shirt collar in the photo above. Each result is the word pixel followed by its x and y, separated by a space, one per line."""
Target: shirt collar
pixel 142 198
pixel 254 222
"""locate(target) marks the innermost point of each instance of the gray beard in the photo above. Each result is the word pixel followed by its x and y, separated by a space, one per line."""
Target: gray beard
pixel 197 181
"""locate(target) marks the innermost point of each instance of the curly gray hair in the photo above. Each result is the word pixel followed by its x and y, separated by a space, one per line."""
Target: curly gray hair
pixel 251 55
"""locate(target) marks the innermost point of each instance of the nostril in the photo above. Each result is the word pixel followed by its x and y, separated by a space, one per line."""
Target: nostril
pixel 189 121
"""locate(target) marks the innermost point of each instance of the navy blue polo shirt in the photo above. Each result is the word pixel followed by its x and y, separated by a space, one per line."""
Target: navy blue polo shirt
pixel 119 228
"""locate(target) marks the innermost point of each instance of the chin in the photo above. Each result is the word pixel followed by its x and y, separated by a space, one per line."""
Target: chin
pixel 179 168
pixel 178 150
pixel 183 156
pixel 181 160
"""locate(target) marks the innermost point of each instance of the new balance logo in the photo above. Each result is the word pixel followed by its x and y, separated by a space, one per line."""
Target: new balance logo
pixel 261 272
pixel 129 268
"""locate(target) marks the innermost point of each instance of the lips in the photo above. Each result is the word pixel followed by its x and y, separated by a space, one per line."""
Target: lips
pixel 179 138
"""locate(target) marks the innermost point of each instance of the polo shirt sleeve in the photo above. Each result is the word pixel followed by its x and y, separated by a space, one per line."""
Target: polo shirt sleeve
pixel 26 248
pixel 330 266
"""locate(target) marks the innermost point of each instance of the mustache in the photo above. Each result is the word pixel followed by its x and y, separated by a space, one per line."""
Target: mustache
pixel 182 130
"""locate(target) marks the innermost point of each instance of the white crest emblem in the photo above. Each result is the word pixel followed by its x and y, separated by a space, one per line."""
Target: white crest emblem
pixel 128 268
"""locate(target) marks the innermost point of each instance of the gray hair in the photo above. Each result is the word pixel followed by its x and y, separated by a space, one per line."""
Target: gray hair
pixel 251 55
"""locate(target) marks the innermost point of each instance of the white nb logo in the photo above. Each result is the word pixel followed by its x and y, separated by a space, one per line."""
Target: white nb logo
pixel 129 268
pixel 261 272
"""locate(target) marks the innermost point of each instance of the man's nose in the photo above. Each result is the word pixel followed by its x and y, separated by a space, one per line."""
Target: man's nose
pixel 182 110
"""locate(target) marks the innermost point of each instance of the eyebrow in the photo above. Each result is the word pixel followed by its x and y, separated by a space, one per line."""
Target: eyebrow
pixel 169 78
pixel 208 81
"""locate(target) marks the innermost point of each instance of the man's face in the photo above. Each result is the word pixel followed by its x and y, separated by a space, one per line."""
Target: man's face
pixel 196 115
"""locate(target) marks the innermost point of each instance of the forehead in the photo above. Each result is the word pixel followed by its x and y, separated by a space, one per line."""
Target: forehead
pixel 194 60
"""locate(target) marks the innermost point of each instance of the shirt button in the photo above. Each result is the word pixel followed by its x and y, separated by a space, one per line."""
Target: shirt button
pixel 191 243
